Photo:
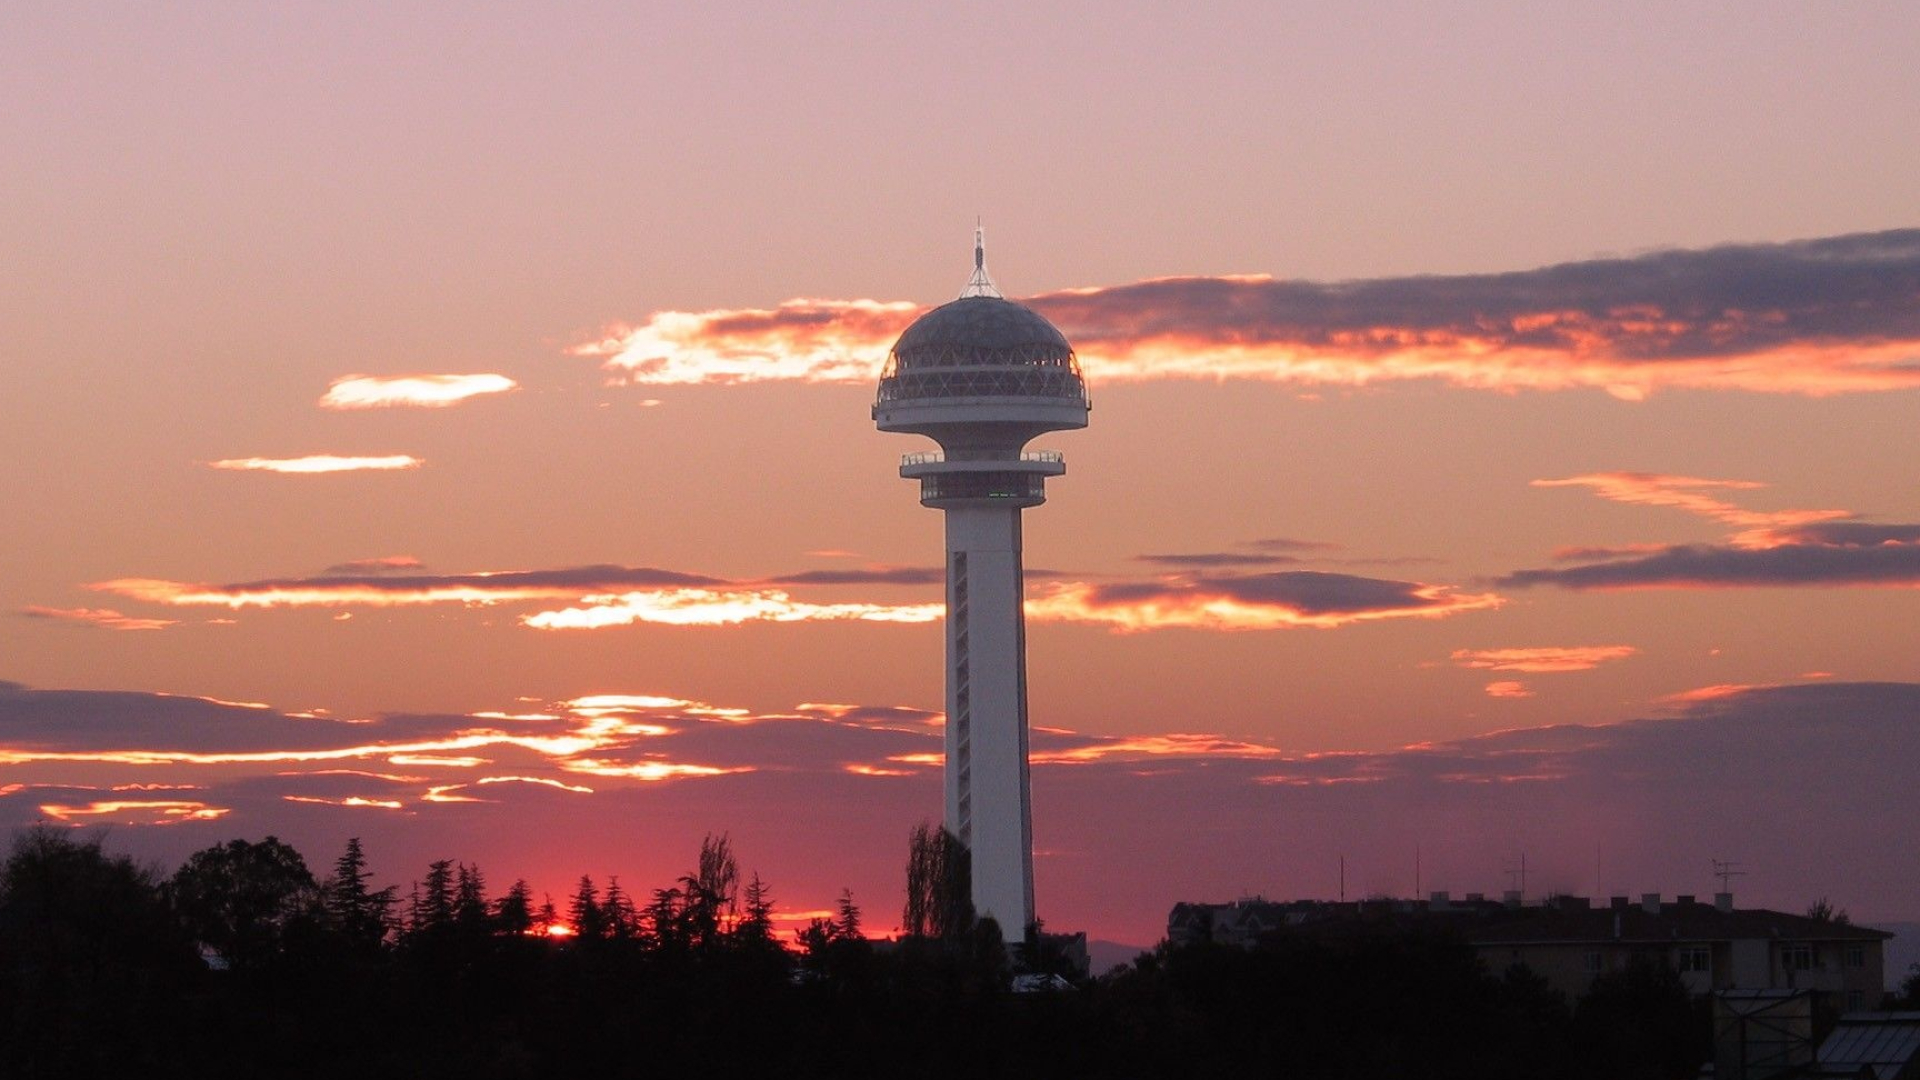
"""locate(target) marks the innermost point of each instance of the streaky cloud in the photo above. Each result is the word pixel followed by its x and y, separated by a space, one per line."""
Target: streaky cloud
pixel 418 391
pixel 720 607
pixel 1816 317
pixel 1270 601
pixel 890 575
pixel 1218 558
pixel 1507 688
pixel 382 589
pixel 1771 548
pixel 104 618
pixel 316 464
pixel 1725 566
pixel 386 564
pixel 134 812
pixel 1689 493
pixel 1542 659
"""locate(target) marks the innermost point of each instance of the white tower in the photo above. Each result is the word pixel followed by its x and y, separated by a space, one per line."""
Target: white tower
pixel 981 376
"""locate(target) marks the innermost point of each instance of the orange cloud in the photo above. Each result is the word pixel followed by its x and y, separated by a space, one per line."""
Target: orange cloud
pixel 647 770
pixel 1257 601
pixel 713 607
pixel 1712 693
pixel 139 812
pixel 319 463
pixel 105 618
pixel 1688 493
pixel 1535 660
pixel 386 564
pixel 445 793
pixel 1508 689
pixel 1152 746
pixel 423 391
pixel 351 800
pixel 1814 317
pixel 805 340
pixel 382 589
pixel 1772 548
pixel 1275 601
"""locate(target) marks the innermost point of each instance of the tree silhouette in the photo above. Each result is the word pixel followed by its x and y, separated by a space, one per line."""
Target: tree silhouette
pixel 589 921
pixel 359 915
pixel 708 908
pixel 513 913
pixel 847 924
pixel 471 912
pixel 755 929
pixel 939 886
pixel 618 914
pixel 240 898
pixel 92 961
pixel 665 914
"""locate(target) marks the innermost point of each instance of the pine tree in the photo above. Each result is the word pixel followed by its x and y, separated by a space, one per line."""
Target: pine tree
pixel 470 910
pixel 847 925
pixel 513 913
pixel 589 923
pixel 666 914
pixel 756 928
pixel 360 915
pixel 618 914
pixel 436 897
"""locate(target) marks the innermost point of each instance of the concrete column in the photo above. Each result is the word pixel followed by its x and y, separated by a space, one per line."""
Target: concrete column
pixel 988 804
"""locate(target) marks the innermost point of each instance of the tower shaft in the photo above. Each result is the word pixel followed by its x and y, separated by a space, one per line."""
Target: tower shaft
pixel 987 784
pixel 982 376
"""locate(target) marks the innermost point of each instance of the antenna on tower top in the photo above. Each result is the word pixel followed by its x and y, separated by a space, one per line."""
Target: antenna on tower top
pixel 980 284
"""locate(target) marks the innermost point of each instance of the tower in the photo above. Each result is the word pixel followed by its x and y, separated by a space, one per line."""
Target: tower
pixel 982 376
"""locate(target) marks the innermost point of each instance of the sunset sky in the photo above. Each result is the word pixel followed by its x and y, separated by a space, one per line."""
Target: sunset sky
pixel 449 426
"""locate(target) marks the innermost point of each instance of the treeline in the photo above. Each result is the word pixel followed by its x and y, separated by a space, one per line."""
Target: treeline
pixel 245 963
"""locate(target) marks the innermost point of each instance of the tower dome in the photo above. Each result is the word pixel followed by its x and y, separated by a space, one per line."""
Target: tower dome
pixel 981 346
pixel 981 374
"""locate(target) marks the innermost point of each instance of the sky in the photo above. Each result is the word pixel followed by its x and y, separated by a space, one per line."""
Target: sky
pixel 450 428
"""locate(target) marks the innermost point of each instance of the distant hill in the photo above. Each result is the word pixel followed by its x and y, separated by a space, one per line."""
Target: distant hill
pixel 1104 956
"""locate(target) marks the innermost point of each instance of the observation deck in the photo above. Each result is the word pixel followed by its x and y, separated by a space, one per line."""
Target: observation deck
pixel 950 480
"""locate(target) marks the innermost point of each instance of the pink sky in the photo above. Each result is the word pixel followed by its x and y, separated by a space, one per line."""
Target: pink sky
pixel 1471 391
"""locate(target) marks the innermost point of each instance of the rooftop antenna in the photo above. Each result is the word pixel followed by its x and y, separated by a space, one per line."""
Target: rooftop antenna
pixel 1726 872
pixel 980 284
pixel 1517 875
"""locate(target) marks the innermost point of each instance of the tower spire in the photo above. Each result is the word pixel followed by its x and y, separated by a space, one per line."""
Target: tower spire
pixel 980 284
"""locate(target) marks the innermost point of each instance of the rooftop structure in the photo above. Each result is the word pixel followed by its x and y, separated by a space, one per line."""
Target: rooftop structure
pixel 1570 941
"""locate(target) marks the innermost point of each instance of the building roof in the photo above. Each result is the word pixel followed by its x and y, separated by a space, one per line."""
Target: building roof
pixel 1561 921
pixel 1884 1042
pixel 1672 922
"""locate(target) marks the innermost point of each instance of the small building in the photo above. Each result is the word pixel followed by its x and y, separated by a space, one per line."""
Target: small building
pixel 1570 941
pixel 1714 946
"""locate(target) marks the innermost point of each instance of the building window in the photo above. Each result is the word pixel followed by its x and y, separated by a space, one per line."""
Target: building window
pixel 1856 956
pixel 1797 958
pixel 1593 963
pixel 1855 1000
pixel 1696 958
